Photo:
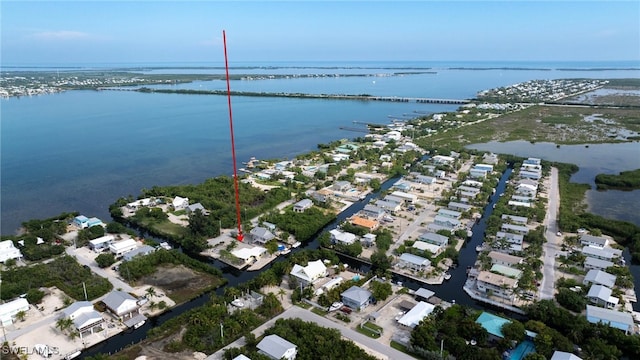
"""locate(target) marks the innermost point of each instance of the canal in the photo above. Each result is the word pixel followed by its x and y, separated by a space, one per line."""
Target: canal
pixel 450 290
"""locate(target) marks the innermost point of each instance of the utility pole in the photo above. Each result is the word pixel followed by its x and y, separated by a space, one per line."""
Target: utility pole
pixel 84 287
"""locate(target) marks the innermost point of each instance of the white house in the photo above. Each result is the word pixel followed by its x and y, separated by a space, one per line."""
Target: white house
pixel 9 310
pixel 261 235
pixel 595 241
pixel 277 348
pixel 597 264
pixel 85 318
pixel 414 262
pixel 123 246
pixel 416 314
pixel 562 355
pixel 342 237
pixel 101 243
pixel 499 285
pixel 180 203
pixel 599 277
pixel 607 254
pixel 121 304
pixel 449 213
pixel 410 198
pixel 141 251
pixel 434 238
pixel 617 319
pixel 515 219
pixel 516 229
pixel 307 275
pixel 601 295
pixel 8 250
pixel 504 259
pixel 302 205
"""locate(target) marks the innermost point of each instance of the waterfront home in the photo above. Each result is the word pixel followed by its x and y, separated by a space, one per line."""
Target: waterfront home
pixel 561 355
pixel 123 246
pixel 434 228
pixel 339 157
pixel 402 185
pixel 468 189
pixel 373 212
pixel 8 250
pixel 321 196
pixel 526 190
pixel 504 259
pixel 342 186
pixel 428 180
pixel 591 263
pixel 282 165
pixel 10 309
pixel 261 235
pixel 135 205
pixel 190 209
pixel 506 271
pixel 490 158
pixel 532 161
pixel 249 255
pixel 448 223
pixel 179 203
pixel 394 199
pixel 423 294
pixel 510 237
pixel 477 173
pixel 124 307
pixel 601 296
pixel 277 348
pixel 413 317
pixel 442 160
pixel 607 254
pixel 472 183
pixel 410 198
pixel 613 318
pixel 523 198
pixel 368 239
pixel 599 277
pixel 521 220
pixel 516 229
pixel 307 275
pixel 496 284
pixel 595 241
pixel 459 206
pixel 389 206
pixel 530 174
pixel 432 248
pixel 449 213
pixel 101 243
pixel 342 237
pixel 356 297
pixel 413 262
pixel 302 205
pixel 84 222
pixel 141 251
pixel 486 167
pixel 85 318
pixel 370 225
pixel 433 238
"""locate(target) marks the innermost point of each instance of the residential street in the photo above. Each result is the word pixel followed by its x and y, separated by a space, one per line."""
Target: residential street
pixel 551 248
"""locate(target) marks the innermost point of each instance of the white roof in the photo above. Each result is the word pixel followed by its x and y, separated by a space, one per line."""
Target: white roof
pixel 599 291
pixel 14 306
pixel 275 346
pixel 120 302
pixel 425 293
pixel 311 272
pixel 424 246
pixel 561 355
pixel 415 259
pixel 120 245
pixel 343 237
pixel 102 240
pixel 247 253
pixel 600 277
pixel 617 319
pixel 416 314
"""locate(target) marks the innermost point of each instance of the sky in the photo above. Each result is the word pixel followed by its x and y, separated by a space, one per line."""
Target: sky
pixel 73 32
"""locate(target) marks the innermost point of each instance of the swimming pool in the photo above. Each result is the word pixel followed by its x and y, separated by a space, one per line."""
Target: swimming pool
pixel 522 350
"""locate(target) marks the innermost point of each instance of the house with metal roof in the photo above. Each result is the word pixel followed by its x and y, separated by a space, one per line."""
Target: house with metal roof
pixel 601 295
pixel 599 277
pixel 499 285
pixel 515 219
pixel 601 253
pixel 123 306
pixel 10 309
pixel 85 318
pixel 424 246
pixel 561 355
pixel 613 318
pixel 504 259
pixel 449 213
pixel 307 275
pixel 356 297
pixel 101 243
pixel 141 251
pixel 180 203
pixel 277 348
pixel 433 238
pixel 516 229
pixel 595 241
pixel 342 237
pixel 372 211
pixel 302 205
pixel 414 262
pixel 423 293
pixel 410 198
pixel 8 250
pixel 446 222
pixel 597 264
pixel 413 317
pixel 506 271
pixel 193 207
pixel 459 206
pixel 261 235
pixel 121 247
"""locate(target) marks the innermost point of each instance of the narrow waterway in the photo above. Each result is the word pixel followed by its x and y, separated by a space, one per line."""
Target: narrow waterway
pixel 449 291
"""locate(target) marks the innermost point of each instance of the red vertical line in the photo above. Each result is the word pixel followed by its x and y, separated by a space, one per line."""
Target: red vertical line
pixel 233 145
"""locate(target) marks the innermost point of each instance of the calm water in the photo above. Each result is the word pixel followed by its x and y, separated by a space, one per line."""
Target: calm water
pixel 81 150
pixel 596 159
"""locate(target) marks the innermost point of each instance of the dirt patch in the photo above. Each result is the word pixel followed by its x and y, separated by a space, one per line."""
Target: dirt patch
pixel 179 282
pixel 155 349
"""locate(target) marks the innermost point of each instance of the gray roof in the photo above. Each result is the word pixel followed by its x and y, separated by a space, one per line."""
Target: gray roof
pixel 617 319
pixel 304 203
pixel 600 292
pixel 143 250
pixel 75 307
pixel 434 238
pixel 87 318
pixel 357 294
pixel 600 277
pixel 424 293
pixel 561 355
pixel 275 346
pixel 196 206
pixel 415 259
pixel 593 239
pixel 262 233
pixel 597 263
pixel 115 298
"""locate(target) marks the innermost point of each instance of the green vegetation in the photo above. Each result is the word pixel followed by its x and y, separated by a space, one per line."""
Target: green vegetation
pixel 64 273
pixel 48 230
pixel 105 260
pixel 626 180
pixel 312 340
pixel 146 265
pixel 301 225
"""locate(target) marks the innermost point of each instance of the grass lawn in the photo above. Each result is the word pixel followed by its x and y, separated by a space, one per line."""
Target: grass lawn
pixel 367 332
pixel 318 311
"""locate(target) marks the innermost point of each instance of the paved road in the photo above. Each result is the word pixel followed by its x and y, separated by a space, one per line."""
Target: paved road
pixel 551 248
pixel 117 283
pixel 306 315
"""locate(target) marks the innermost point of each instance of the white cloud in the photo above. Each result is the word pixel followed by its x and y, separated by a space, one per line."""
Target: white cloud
pixel 60 35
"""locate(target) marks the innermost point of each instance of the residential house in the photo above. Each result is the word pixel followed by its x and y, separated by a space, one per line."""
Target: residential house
pixel 197 206
pixel 433 238
pixel 434 228
pixel 123 306
pixel 413 317
pixel 432 248
pixel 601 296
pixel 613 318
pixel 530 174
pixel 562 355
pixel 370 225
pixel 523 198
pixel 342 237
pixel 448 223
pixel 506 271
pixel 368 239
pixel 373 212
pixel 486 167
pixel 389 206
pixel 249 255
pixel 468 189
pixel 277 348
pixel 307 275
pixel 10 309
pixel 515 219
pixel 414 262
pixel 101 243
pixel 356 297
pixel 8 250
pixel 84 222
pixel 394 199
pixel 425 179
pixel 442 160
pixel 595 241
pixel 302 205
pixel 516 229
pixel 591 263
pixel 342 186
pixel 504 259
pixel 459 206
pixel 472 183
pixel 449 213
pixel 402 185
pixel 261 235
pixel 180 203
pixel 135 205
pixel 141 251
pixel 119 248
pixel 533 161
pixel 85 318
pixel 410 198
pixel 496 284
pixel 607 254
pixel 519 204
pixel 599 277
pixel 477 173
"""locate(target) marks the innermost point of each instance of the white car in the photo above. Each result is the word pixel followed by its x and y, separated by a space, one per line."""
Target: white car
pixel 558 233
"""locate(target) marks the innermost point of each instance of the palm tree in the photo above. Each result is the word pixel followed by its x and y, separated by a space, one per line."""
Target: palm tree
pixel 21 315
pixel 281 292
pixel 151 291
pixel 64 324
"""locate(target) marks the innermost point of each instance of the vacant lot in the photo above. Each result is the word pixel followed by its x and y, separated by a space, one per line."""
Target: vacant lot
pixel 179 282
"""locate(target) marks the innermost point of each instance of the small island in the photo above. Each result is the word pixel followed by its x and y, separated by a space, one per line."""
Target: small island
pixel 625 180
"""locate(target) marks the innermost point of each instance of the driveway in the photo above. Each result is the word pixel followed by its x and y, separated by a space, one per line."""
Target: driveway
pixel 551 248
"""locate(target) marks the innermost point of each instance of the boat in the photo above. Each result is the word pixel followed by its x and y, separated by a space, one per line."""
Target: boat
pixel 296 244
pixel 165 245
pixel 335 306
pixel 479 248
pixel 469 233
pixel 72 355
pixel 447 276
pixel 138 325
pixel 237 303
pixel 285 251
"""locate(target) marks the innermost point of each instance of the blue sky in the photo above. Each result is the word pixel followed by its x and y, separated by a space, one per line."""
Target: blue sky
pixel 38 32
